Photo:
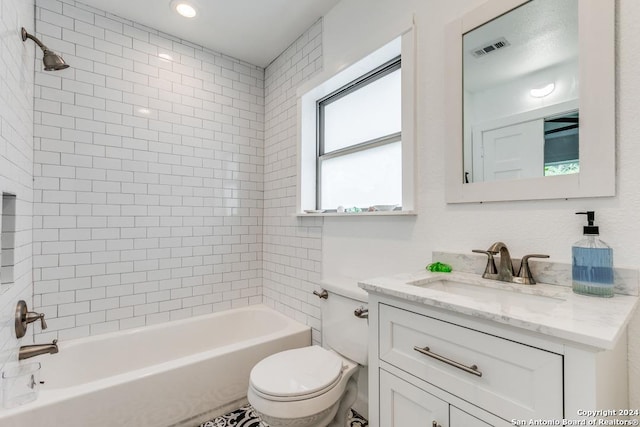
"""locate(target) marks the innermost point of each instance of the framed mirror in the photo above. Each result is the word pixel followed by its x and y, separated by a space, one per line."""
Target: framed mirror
pixel 531 101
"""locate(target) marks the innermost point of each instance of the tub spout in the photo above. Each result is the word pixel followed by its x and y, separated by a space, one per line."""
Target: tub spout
pixel 27 351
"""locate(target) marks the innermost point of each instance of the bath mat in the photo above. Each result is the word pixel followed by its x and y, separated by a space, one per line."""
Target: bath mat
pixel 246 417
pixel 243 417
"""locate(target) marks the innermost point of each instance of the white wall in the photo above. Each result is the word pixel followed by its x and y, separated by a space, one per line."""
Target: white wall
pixel 364 247
pixel 16 157
pixel 148 176
pixel 292 245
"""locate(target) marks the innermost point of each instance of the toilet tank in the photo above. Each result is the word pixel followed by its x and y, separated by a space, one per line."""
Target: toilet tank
pixel 342 331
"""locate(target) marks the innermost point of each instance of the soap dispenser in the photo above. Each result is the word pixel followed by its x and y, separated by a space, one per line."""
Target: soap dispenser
pixel 592 262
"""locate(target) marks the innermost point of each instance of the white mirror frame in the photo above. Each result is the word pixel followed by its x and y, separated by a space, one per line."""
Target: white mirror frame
pixel 596 28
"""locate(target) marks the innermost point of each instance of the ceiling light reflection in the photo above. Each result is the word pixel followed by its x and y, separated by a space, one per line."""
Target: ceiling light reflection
pixel 543 91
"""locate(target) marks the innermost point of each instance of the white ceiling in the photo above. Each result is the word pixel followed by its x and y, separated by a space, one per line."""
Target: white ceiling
pixel 542 33
pixel 256 31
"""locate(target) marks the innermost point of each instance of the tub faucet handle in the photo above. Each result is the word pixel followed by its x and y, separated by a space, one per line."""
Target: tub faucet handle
pixel 24 317
pixel 32 316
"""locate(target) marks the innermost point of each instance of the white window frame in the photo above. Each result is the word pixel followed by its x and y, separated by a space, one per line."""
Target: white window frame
pixel 321 87
pixel 378 73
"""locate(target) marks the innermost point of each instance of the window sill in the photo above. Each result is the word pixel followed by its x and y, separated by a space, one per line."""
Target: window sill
pixel 344 214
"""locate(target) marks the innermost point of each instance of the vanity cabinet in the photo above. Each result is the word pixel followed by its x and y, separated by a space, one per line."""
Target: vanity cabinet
pixel 501 376
pixel 461 418
pixel 430 366
pixel 402 404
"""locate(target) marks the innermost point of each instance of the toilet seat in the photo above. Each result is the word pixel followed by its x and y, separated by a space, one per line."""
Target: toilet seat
pixel 297 374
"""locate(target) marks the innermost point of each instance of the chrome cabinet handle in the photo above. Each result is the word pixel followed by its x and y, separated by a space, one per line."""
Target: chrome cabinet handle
pixel 322 295
pixel 473 369
pixel 361 312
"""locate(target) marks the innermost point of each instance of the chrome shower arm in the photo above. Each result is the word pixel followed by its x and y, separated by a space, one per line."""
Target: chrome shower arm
pixel 26 36
pixel 51 61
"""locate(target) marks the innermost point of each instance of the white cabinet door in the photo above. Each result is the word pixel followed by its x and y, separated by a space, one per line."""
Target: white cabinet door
pixel 403 404
pixel 462 419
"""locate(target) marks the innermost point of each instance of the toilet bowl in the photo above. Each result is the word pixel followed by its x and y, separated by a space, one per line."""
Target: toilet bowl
pixel 317 386
pixel 304 387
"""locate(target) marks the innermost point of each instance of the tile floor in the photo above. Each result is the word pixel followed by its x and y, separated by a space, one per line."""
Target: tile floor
pixel 246 417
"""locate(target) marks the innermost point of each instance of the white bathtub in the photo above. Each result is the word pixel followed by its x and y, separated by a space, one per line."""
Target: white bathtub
pixel 174 374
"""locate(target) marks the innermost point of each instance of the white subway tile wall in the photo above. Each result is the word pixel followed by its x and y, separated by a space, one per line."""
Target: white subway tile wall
pixel 149 158
pixel 16 160
pixel 292 245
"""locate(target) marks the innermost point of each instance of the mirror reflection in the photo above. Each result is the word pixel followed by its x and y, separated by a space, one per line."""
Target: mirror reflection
pixel 520 76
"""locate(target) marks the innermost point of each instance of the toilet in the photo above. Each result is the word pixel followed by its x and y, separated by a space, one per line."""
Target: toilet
pixel 315 386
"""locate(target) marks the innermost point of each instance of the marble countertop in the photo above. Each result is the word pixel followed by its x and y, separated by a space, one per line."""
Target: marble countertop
pixel 551 310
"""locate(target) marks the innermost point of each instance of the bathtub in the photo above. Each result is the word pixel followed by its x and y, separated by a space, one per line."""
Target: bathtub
pixel 178 373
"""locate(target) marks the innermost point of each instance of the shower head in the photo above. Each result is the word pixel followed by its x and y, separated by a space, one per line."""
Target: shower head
pixel 52 62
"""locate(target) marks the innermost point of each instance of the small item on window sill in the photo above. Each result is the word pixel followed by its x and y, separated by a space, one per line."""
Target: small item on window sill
pixel 340 209
pixel 384 208
pixel 353 210
pixel 439 267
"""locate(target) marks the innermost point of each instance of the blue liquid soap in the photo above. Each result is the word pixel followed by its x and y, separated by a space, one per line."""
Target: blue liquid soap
pixel 592 262
pixel 592 271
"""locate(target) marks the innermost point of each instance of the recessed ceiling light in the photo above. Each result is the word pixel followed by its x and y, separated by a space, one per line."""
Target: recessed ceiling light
pixel 185 9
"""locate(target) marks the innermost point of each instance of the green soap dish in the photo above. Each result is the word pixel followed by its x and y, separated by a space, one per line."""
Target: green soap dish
pixel 439 267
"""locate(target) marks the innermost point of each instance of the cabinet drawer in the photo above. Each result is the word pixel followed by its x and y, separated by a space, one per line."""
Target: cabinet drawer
pixel 510 380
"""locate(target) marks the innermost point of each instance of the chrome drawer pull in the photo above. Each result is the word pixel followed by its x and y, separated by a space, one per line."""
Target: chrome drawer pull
pixel 473 369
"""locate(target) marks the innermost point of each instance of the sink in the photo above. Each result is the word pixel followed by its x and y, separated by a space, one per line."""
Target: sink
pixel 503 295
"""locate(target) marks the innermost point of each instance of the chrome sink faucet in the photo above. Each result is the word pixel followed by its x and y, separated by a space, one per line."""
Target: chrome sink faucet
pixel 505 272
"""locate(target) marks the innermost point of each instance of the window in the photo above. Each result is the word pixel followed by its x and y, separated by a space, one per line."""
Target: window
pixel 561 152
pixel 359 142
pixel 356 133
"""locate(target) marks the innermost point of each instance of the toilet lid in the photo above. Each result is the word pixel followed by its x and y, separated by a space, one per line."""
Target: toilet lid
pixel 297 372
